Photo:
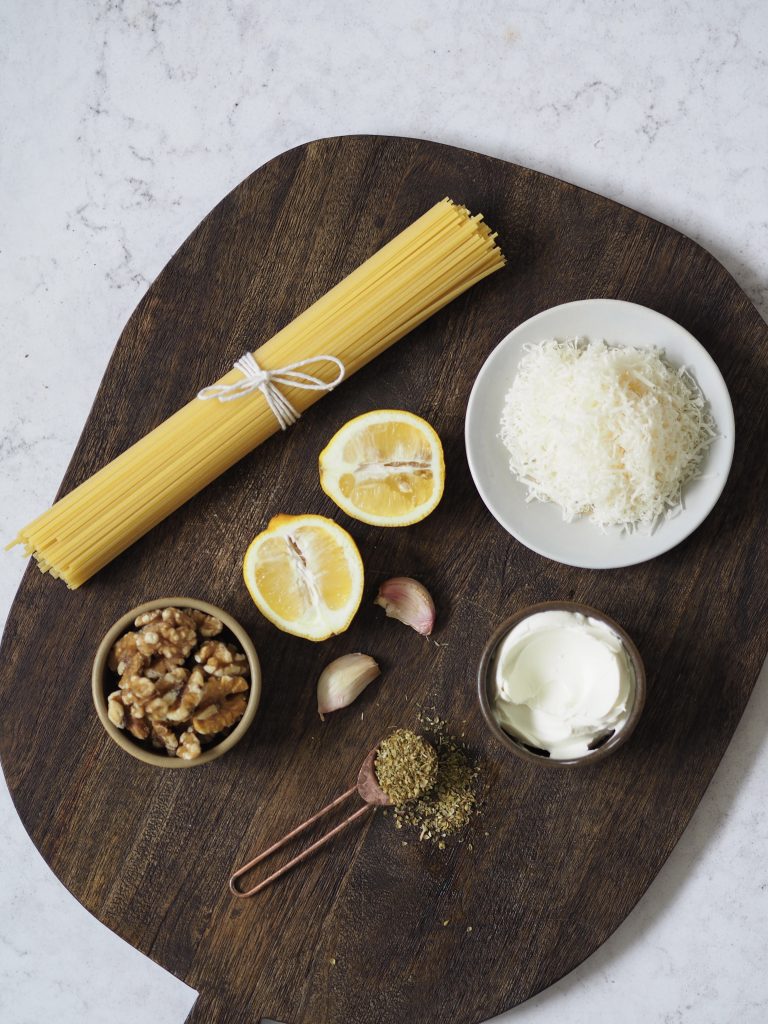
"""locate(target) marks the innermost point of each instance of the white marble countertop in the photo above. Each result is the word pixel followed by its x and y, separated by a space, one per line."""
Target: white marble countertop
pixel 125 121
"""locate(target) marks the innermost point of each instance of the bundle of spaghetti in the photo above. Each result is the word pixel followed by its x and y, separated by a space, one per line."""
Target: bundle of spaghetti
pixel 438 257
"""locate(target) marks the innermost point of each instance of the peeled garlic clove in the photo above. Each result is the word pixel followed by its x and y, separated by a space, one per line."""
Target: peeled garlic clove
pixel 343 681
pixel 408 601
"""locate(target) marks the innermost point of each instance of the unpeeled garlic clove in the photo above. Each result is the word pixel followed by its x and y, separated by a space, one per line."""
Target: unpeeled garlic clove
pixel 408 601
pixel 343 681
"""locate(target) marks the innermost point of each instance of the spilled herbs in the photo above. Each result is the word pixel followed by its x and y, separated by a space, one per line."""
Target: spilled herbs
pixel 447 807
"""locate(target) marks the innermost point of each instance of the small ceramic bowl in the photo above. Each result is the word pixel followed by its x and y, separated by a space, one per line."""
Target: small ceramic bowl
pixel 518 747
pixel 101 684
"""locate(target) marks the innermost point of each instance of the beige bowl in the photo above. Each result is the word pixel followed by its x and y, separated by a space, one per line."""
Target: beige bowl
pixel 125 740
pixel 520 749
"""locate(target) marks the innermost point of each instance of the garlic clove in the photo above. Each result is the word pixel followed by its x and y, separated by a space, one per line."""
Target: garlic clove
pixel 343 681
pixel 408 601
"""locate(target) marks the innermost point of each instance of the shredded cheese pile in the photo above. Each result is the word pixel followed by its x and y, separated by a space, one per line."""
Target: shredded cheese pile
pixel 605 431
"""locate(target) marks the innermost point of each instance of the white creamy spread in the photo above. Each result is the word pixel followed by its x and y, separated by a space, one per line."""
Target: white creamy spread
pixel 562 681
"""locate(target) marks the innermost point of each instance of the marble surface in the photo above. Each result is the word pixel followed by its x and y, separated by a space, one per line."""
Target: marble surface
pixel 124 121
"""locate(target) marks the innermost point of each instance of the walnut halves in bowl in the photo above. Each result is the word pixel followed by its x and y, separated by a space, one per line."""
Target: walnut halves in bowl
pixel 176 682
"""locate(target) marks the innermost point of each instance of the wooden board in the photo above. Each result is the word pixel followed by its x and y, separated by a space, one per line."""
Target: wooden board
pixel 375 930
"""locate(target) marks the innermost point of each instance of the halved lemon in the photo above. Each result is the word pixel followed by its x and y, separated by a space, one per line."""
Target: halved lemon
pixel 305 575
pixel 384 468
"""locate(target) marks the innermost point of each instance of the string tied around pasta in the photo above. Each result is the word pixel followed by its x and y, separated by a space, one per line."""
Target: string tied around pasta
pixel 256 379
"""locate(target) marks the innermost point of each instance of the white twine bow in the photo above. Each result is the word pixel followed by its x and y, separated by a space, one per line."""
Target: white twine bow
pixel 266 381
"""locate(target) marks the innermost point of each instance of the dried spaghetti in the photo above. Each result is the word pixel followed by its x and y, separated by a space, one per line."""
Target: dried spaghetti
pixel 438 257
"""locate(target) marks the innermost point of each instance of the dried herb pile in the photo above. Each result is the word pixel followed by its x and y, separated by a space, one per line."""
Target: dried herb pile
pixel 406 766
pixel 448 806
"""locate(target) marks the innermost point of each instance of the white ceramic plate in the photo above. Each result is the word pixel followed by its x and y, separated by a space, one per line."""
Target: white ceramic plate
pixel 540 525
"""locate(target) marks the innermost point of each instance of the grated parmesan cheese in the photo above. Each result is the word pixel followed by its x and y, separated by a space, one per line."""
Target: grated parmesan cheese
pixel 606 431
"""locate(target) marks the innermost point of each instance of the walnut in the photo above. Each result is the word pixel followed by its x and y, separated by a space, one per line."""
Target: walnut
pixel 213 650
pixel 142 689
pixel 189 746
pixel 163 736
pixel 220 659
pixel 163 639
pixel 168 690
pixel 138 727
pixel 219 687
pixel 162 668
pixel 159 667
pixel 127 694
pixel 133 666
pixel 190 698
pixel 146 617
pixel 158 708
pixel 207 625
pixel 176 617
pixel 219 716
pixel 176 676
pixel 160 664
pixel 116 709
pixel 122 650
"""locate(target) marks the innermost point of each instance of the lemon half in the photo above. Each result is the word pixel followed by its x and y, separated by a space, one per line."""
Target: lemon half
pixel 385 468
pixel 305 575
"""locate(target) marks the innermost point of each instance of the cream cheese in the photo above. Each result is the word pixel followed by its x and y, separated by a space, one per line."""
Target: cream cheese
pixel 562 681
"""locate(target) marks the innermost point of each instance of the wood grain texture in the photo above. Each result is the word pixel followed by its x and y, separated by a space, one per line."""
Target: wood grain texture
pixel 559 858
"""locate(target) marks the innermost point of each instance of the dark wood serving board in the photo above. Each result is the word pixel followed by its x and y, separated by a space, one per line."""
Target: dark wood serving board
pixel 374 930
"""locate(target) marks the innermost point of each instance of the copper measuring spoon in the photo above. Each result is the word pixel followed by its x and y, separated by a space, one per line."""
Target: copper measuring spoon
pixel 367 787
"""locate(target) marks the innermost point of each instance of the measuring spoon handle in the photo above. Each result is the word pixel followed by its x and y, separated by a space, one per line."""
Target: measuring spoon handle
pixel 236 891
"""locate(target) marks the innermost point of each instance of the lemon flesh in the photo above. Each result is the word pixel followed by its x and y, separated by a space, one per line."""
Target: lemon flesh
pixel 305 575
pixel 385 468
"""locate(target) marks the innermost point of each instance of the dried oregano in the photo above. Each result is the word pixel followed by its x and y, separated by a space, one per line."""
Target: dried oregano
pixel 448 806
pixel 406 766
